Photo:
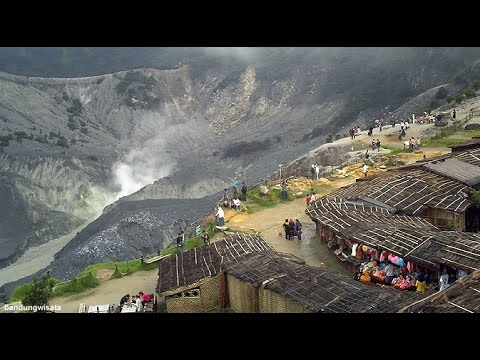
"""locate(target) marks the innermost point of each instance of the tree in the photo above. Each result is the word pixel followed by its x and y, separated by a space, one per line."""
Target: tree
pixel 39 292
pixel 441 93
pixel 476 85
pixel 475 197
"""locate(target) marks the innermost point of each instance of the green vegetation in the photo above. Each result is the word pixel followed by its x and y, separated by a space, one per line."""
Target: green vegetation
pixel 76 108
pixel 72 125
pixel 116 274
pixel 469 93
pixel 5 140
pixel 452 226
pixel 53 135
pixel 475 197
pixel 39 292
pixel 62 142
pixel 448 137
pixel 20 292
pixel 41 139
pixel 476 85
pixel 87 279
pixel 19 135
pixel 76 286
pixel 393 150
pixel 441 93
pixel 323 188
pixel 124 267
pixel 257 200
pixel 131 78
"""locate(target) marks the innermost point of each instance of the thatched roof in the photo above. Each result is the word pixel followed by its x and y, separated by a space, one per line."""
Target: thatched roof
pixel 179 271
pixel 474 143
pixel 410 237
pixel 408 191
pixel 463 296
pixel 470 156
pixel 319 289
pixel 455 169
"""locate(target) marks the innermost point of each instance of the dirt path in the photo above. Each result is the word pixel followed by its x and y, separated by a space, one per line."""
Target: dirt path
pixel 111 291
pixel 269 224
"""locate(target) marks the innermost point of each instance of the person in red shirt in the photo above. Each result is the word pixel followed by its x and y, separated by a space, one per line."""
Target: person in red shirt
pixel 145 297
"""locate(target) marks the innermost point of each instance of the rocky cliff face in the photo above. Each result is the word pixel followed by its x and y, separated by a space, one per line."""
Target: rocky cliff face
pixel 71 146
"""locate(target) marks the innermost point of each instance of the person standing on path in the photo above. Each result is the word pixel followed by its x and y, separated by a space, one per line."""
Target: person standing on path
pixel 286 228
pixel 298 229
pixel 220 215
pixel 365 169
pixel 244 192
pixel 180 241
pixel 284 190
pixel 205 237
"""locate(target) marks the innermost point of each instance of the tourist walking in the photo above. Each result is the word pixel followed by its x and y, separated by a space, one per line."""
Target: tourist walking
pixel 284 190
pixel 298 229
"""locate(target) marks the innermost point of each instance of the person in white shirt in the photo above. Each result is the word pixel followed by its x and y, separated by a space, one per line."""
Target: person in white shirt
pixel 236 204
pixel 317 171
pixel 443 281
pixel 365 169
pixel 139 304
pixel 220 216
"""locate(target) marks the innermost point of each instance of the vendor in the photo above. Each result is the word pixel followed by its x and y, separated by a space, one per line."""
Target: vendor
pixel 389 273
pixel 421 284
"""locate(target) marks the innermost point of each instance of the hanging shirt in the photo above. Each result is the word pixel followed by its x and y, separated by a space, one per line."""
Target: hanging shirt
pixel 354 249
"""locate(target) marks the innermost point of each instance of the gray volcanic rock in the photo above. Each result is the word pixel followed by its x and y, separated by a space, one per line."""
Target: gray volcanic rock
pixel 128 231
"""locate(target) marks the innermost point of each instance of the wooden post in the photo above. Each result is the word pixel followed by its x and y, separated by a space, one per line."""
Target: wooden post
pixel 222 291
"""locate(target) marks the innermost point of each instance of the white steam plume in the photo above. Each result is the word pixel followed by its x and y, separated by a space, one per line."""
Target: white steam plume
pixel 142 167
